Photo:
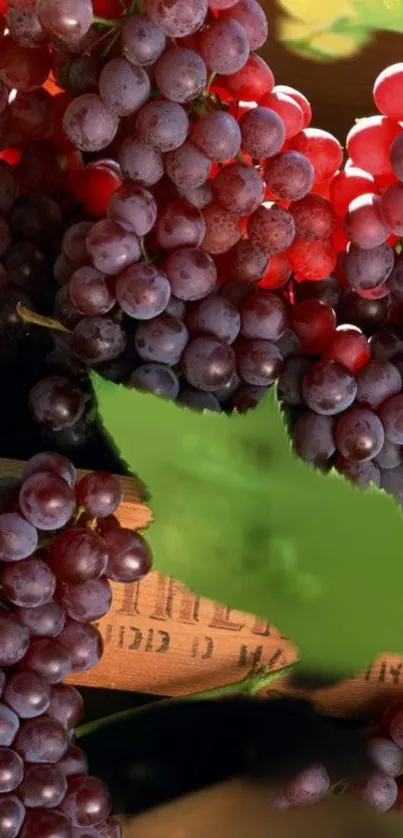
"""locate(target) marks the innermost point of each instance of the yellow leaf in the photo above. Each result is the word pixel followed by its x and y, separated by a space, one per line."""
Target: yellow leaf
pixel 318 13
pixel 335 44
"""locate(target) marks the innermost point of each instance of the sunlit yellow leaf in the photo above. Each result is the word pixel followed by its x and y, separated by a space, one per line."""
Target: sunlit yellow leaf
pixel 335 44
pixel 319 13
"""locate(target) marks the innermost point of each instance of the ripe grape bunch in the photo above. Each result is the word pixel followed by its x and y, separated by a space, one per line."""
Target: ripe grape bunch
pixel 60 545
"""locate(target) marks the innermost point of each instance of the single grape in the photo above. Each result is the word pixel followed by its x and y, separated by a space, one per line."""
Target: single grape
pixel 287 109
pixel 252 18
pixel 68 20
pixel 349 347
pixel 208 363
pixel 18 538
pixel 46 823
pixel 9 724
pixel 187 167
pixel 43 786
pixel 178 18
pixel 28 694
pixel 387 92
pixel 56 402
pixel 124 88
pixel 86 602
pixel 90 291
pixel 50 461
pixel 314 323
pixel 14 639
pixel 73 762
pixel 162 124
pixel 66 706
pixel 369 143
pixel 83 643
pixel 29 583
pixel 180 74
pixel 328 388
pixel 259 362
pixel 100 494
pixel 223 229
pixel 312 260
pixel 199 400
pixel 47 501
pixel 263 316
pixel 25 29
pixel 313 218
pixel 12 814
pixel 309 786
pixel 161 339
pixel 133 207
pixel 238 188
pixel 23 69
pixel 11 770
pixel 140 162
pixel 214 316
pixel 263 132
pixel 179 225
pixel 192 274
pixel 44 621
pixel 389 456
pixel 391 415
pixel 313 438
pixel 157 379
pixel 272 228
pixel 386 755
pixel 386 345
pixel 73 243
pixel 347 185
pixel 367 269
pixel 198 196
pixel 248 262
pixel 49 659
pixel 248 397
pixel 289 175
pixel 253 81
pixel 380 791
pixel 130 557
pixel 87 801
pixel 112 247
pixel 359 434
pixel 322 149
pixel 367 314
pixel 224 46
pixel 217 135
pixel 358 472
pixel 88 124
pixel 142 42
pixel 290 381
pixel 143 291
pixel 364 222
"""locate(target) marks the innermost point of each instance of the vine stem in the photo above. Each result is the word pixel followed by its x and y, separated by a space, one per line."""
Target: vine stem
pixel 252 684
pixel 29 316
pixel 109 22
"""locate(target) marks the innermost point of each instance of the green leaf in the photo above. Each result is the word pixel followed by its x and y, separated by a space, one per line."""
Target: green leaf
pixel 379 14
pixel 240 519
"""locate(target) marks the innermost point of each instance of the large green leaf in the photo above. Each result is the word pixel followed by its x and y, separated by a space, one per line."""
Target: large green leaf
pixel 240 519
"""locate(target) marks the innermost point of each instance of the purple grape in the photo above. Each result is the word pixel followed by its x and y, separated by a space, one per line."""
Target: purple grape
pixel 217 135
pixel 389 456
pixel 133 207
pixel 376 382
pixel 259 362
pixel 143 291
pixel 99 493
pixel 359 434
pixel 142 42
pixel 12 814
pixel 188 168
pixel 51 461
pixel 43 787
pixel 289 175
pixel 223 230
pixel 272 228
pixel 14 639
pixel 224 394
pixel 130 557
pixel 49 659
pixel 248 397
pixel 157 379
pixel 162 339
pixel 43 621
pixel 162 124
pixel 29 583
pixel 56 402
pixel 140 162
pixel 386 756
pixel 112 247
pixel 263 316
pixel 47 501
pixel 328 388
pixel 87 801
pixel 178 18
pixel 90 291
pixel 179 225
pixel 86 602
pixel 224 46
pixel 358 472
pixel 239 189
pixel 251 16
pixel 67 20
pixel 290 381
pixel 380 791
pixel 313 437
pixel 11 770
pixel 180 74
pixel 124 88
pixel 392 482
pixel 263 132
pixel 248 262
pixel 199 196
pixel 208 363
pixel 18 538
pixel 46 823
pixel 88 124
pixel 367 269
pixel 66 706
pixel 191 272
pixel 391 416
pixel 386 345
pixel 199 400
pixel 97 340
pixel 28 694
pixel 214 316
pixel 309 786
pixel 73 762
pixel 9 725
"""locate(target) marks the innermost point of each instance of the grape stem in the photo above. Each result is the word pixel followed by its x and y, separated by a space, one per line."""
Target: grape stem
pixel 210 80
pixel 143 250
pixel 105 21
pixel 256 681
pixel 29 316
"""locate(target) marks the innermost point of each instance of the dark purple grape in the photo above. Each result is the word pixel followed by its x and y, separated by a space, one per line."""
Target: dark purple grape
pixel 47 501
pixel 83 643
pixel 87 801
pixel 133 207
pixel 49 659
pixel 142 42
pixel 162 124
pixel 162 339
pixel 198 196
pixel 248 397
pixel 360 473
pixel 199 400
pixel 28 694
pixel 313 437
pixel 180 74
pixel 88 124
pixel 223 229
pixel 328 290
pixel 359 434
pixel 376 382
pixel 14 639
pixel 289 175
pixel 391 481
pixel 188 168
pixel 367 269
pixel 395 280
pixel 56 403
pixel 130 557
pixel 112 247
pixel 51 461
pixel 179 225
pixel 263 316
pixel 99 494
pixel 224 394
pixel 250 14
pixel 391 416
pixel 124 88
pixel 208 363
pixel 389 456
pixel 97 340
pixel 224 46
pixel 239 189
pixel 43 787
pixel 140 162
pixel 272 228
pixel 90 291
pixel 263 132
pixel 259 362
pixel 79 554
pixel 18 538
pixel 29 583
pixel 248 262
pixel 143 291
pixel 9 492
pixel 46 823
pixel 12 814
pixel 45 621
pixel 385 345
pixel 217 135
pixel 9 724
pixel 328 388
pixel 214 316
pixel 290 381
pixel 191 272
pixel 26 266
pixel 157 379
pixel 86 602
pixel 11 770
pixel 73 762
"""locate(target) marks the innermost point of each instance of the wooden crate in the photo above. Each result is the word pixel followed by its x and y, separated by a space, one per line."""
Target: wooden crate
pixel 162 639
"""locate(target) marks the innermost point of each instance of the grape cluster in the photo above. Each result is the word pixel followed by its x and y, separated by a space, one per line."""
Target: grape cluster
pixel 60 545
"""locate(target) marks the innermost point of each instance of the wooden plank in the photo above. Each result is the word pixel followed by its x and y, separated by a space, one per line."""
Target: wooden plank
pixel 162 639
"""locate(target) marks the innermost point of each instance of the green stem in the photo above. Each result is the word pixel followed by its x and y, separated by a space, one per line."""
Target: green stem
pixel 210 80
pixel 143 249
pixel 109 22
pixel 253 683
pixel 29 316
